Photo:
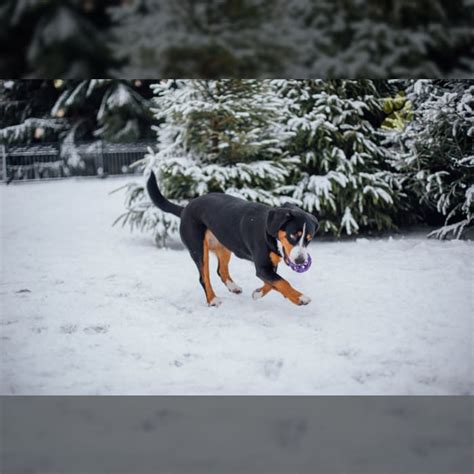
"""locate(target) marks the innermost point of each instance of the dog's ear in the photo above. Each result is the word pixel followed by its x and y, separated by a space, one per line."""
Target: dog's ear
pixel 290 205
pixel 294 207
pixel 276 218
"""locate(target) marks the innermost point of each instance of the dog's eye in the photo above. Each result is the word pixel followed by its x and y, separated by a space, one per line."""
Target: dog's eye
pixel 296 235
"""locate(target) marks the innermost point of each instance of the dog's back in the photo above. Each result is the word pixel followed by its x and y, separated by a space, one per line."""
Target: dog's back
pixel 229 218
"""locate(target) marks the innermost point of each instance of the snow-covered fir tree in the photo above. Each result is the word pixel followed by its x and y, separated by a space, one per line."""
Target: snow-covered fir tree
pixel 237 38
pixel 208 38
pixel 60 110
pixel 67 112
pixel 102 109
pixel 25 121
pixel 56 38
pixel 389 38
pixel 216 136
pixel 25 112
pixel 436 154
pixel 111 110
pixel 342 172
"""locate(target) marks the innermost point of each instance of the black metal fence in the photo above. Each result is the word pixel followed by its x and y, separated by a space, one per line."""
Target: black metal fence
pixel 56 161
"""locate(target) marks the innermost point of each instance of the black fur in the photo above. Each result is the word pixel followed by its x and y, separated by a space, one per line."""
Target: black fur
pixel 247 229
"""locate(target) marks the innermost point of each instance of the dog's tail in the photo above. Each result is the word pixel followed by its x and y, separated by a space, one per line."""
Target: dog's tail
pixel 159 200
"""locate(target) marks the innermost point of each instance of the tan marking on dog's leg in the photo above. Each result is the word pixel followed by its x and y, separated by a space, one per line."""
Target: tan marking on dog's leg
pixel 223 255
pixel 212 241
pixel 289 292
pixel 210 295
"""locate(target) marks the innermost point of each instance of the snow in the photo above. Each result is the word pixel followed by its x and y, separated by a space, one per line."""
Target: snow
pixel 91 309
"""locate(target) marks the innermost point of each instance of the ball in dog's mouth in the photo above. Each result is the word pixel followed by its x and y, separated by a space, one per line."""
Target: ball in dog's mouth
pixel 299 267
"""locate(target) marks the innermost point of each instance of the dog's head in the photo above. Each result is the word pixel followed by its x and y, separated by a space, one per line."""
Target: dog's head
pixel 293 229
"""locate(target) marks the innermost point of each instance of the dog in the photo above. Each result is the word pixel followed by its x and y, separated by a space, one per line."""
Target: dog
pixel 226 225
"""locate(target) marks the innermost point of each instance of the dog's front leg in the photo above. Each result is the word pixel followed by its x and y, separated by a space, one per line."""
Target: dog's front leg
pixel 261 292
pixel 275 281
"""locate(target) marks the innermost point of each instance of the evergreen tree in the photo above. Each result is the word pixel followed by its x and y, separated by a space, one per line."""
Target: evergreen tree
pixel 239 38
pixel 436 154
pixel 25 120
pixel 388 38
pixel 66 112
pixel 342 171
pixel 55 38
pixel 25 112
pixel 111 110
pixel 226 38
pixel 46 110
pixel 102 109
pixel 216 136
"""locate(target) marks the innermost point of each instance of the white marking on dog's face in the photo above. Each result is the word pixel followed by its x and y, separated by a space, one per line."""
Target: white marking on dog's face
pixel 298 253
pixel 303 233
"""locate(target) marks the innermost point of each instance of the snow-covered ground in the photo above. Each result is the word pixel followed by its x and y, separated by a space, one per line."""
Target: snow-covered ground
pixel 91 309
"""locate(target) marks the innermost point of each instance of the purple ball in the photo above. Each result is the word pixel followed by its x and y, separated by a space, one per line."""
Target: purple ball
pixel 302 267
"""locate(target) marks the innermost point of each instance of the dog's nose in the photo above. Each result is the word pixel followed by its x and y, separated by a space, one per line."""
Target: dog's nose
pixel 300 259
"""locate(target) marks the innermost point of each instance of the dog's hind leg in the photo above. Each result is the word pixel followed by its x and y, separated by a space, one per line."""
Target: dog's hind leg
pixel 223 256
pixel 205 280
pixel 194 237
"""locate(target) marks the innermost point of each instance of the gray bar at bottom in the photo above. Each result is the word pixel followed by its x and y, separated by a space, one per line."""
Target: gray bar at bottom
pixel 237 435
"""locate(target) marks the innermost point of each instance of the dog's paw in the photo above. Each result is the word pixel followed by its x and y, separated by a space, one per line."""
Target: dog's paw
pixel 215 302
pixel 304 300
pixel 257 294
pixel 233 287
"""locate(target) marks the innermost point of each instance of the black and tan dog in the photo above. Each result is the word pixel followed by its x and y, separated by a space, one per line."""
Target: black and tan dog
pixel 224 225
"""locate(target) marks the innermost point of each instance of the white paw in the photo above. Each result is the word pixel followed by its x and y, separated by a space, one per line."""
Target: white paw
pixel 256 295
pixel 304 299
pixel 233 287
pixel 215 302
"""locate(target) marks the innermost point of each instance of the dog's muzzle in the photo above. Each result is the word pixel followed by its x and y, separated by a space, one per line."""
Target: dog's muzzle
pixel 299 259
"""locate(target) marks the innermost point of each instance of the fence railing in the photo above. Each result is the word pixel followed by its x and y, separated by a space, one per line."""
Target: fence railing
pixel 56 161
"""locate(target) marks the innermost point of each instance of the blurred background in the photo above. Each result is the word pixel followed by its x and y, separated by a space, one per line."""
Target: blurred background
pixel 363 155
pixel 236 38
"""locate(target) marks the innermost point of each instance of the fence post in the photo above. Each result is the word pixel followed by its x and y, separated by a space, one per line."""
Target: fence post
pixel 100 160
pixel 4 163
